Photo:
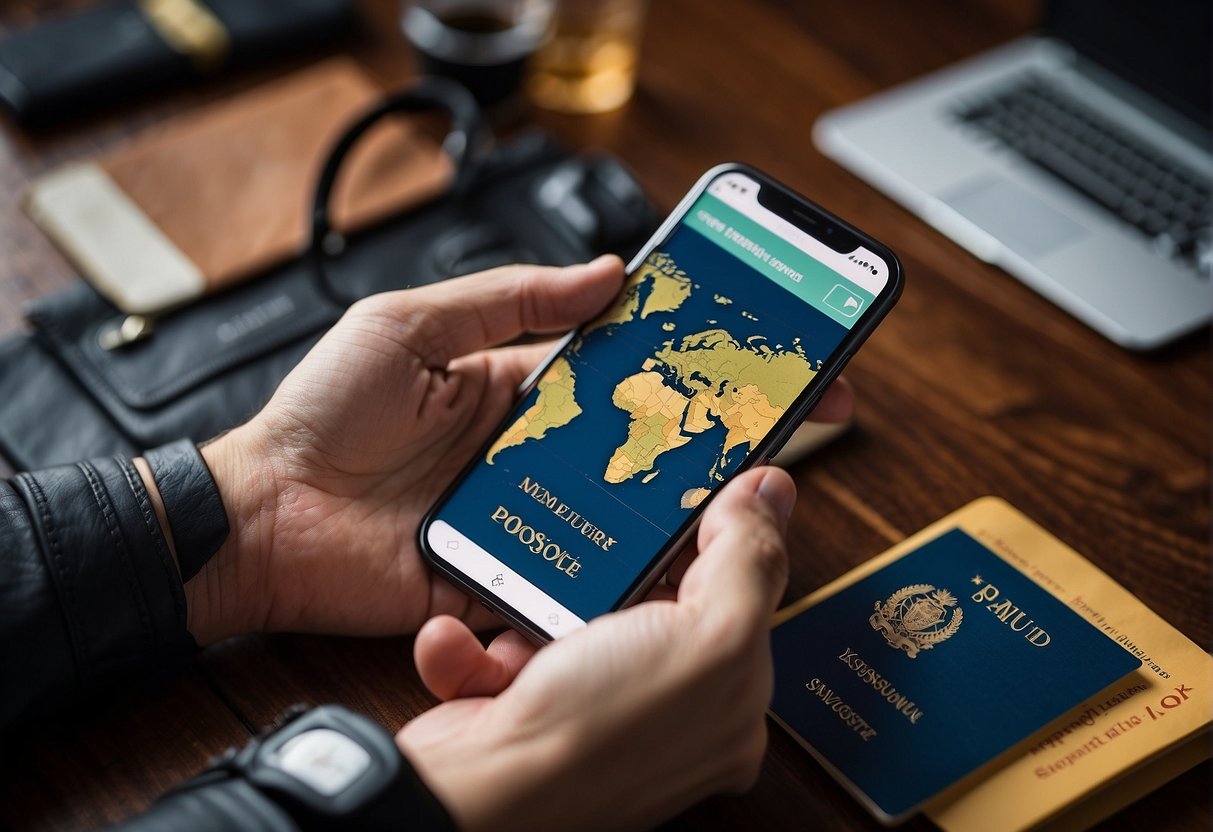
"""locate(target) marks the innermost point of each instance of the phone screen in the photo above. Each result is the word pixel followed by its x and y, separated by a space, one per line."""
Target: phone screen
pixel 647 409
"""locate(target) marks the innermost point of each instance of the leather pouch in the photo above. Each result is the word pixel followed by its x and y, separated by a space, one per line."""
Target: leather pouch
pixel 34 388
pixel 210 366
pixel 100 56
pixel 203 370
pixel 153 225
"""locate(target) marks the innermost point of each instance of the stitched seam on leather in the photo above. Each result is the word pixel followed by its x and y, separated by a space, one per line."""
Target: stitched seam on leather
pixel 83 369
pixel 256 347
pixel 58 564
pixel 252 349
pixel 171 575
pixel 121 552
pixel 51 336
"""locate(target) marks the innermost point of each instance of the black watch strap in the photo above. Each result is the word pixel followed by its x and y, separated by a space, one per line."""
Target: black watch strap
pixel 322 769
pixel 331 768
pixel 191 503
pixel 228 806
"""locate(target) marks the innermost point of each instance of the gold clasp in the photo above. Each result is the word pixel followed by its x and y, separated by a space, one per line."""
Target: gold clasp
pixel 190 28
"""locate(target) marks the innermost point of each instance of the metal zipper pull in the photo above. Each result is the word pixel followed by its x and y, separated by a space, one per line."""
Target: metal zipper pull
pixel 123 332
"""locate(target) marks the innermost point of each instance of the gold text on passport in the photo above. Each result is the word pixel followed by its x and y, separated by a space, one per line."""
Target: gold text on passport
pixel 845 712
pixel 1009 614
pixel 904 705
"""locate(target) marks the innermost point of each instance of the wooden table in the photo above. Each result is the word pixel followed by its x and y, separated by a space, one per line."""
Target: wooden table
pixel 974 386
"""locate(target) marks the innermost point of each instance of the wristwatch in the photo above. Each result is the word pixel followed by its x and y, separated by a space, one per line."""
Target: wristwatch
pixel 320 769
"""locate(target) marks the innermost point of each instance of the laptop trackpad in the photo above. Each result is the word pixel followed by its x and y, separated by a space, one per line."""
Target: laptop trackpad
pixel 1014 216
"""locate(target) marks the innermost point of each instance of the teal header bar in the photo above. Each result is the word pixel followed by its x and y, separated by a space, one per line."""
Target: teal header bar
pixel 779 260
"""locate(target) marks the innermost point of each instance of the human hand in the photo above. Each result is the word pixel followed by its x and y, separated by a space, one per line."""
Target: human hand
pixel 622 724
pixel 325 488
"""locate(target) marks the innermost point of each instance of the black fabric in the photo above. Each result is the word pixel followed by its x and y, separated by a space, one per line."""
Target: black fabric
pixel 212 365
pixel 82 62
pixel 89 594
pixel 191 504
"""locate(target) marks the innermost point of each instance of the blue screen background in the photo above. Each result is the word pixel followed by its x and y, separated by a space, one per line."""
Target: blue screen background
pixel 570 461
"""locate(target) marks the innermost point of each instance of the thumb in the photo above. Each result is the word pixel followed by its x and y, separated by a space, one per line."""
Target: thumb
pixel 455 317
pixel 453 664
pixel 742 568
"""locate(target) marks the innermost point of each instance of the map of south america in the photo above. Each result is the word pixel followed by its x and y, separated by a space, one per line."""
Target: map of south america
pixel 681 392
pixel 554 407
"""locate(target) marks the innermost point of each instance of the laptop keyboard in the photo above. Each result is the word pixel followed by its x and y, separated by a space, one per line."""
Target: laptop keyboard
pixel 1165 200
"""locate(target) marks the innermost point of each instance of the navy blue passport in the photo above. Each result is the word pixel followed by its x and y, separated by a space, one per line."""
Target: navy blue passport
pixel 916 675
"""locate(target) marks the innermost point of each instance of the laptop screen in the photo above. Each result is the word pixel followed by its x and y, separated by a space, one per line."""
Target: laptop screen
pixel 1161 46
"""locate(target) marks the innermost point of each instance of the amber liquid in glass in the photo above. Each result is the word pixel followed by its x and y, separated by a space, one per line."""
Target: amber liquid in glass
pixel 589 63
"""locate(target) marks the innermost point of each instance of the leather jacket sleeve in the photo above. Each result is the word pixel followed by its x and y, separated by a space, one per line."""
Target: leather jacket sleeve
pixel 90 597
pixel 89 592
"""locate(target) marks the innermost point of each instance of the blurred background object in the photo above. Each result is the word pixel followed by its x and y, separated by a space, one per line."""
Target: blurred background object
pixel 72 64
pixel 588 65
pixel 482 44
pixel 224 193
pixel 1078 159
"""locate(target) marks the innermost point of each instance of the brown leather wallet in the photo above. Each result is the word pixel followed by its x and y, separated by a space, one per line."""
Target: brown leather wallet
pixel 210 199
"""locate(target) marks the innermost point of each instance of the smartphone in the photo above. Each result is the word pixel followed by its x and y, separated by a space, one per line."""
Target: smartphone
pixel 734 317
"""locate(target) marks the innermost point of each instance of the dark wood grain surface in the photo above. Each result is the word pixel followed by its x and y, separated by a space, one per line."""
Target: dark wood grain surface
pixel 974 386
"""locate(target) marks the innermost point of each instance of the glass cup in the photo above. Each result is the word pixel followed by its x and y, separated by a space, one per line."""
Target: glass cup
pixel 588 64
pixel 483 44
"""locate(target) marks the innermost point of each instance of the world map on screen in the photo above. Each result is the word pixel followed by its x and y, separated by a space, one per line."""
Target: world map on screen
pixel 711 389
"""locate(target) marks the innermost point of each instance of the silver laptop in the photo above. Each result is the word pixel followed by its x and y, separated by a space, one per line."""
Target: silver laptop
pixel 1078 160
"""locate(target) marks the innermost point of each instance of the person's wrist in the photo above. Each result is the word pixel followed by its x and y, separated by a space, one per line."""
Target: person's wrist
pixel 225 597
pixel 491 779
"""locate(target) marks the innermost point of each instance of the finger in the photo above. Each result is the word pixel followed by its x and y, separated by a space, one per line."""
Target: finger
pixel 453 664
pixel 448 599
pixel 837 403
pixel 681 564
pixel 512 651
pixel 498 375
pixel 741 571
pixel 661 592
pixel 455 317
pixel 508 366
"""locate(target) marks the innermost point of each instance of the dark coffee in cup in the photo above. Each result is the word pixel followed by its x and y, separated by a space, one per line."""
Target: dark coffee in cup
pixel 482 44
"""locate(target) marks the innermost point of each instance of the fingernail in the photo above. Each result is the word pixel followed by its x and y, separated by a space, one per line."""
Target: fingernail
pixel 578 269
pixel 779 493
pixel 601 260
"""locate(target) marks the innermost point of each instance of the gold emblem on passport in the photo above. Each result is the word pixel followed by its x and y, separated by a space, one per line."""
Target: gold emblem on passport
pixel 917 617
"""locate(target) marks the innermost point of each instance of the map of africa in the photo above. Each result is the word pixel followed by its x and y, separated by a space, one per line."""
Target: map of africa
pixel 686 388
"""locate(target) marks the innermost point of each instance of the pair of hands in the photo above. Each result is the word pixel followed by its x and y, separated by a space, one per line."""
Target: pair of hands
pixel 624 723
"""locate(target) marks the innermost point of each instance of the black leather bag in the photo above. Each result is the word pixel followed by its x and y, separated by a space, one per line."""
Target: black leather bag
pixel 82 62
pixel 208 367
